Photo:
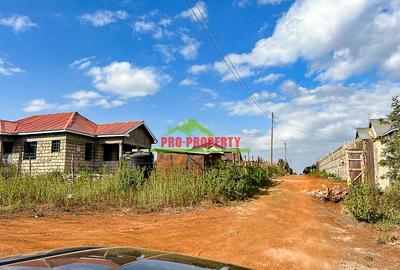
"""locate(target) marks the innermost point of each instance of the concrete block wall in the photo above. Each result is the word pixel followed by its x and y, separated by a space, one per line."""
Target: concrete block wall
pixel 335 163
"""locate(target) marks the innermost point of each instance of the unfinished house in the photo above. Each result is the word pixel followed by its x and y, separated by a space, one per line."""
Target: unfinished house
pixel 358 161
pixel 69 142
pixel 175 158
pixel 200 157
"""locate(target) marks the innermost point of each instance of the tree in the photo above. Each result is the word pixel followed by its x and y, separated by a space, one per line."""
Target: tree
pixel 284 165
pixel 391 151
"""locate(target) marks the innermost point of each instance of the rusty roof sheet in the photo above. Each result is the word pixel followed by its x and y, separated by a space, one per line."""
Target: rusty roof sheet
pixel 70 121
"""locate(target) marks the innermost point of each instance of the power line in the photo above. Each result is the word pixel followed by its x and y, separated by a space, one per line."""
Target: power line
pixel 222 53
pixel 217 44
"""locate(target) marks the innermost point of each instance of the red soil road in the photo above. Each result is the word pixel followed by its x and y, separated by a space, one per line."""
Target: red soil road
pixel 282 229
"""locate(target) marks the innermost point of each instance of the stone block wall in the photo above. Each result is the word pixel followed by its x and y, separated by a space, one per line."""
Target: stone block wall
pixel 45 161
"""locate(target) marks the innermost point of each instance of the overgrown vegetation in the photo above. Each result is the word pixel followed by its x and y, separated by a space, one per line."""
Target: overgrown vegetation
pixel 366 203
pixel 128 188
pixel 326 175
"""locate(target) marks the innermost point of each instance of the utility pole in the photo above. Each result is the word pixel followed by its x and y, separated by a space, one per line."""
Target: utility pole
pixel 285 152
pixel 272 139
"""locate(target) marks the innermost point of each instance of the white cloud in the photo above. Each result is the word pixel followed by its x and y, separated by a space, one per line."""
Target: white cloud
pixel 290 87
pixel 227 75
pixel 338 38
pixel 127 81
pixel 200 11
pixel 103 17
pixel 19 23
pixel 87 99
pixel 392 65
pixel 148 27
pixel 189 49
pixel 37 105
pixel 209 105
pixel 267 100
pixel 165 22
pixel 188 82
pixel 329 114
pixel 269 2
pixel 74 101
pixel 270 78
pixel 82 63
pixel 7 69
pixel 166 51
pixel 262 29
pixel 197 69
pixel 212 93
pixel 241 3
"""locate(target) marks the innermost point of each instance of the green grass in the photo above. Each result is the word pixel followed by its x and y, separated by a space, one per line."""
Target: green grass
pixel 326 175
pixel 128 188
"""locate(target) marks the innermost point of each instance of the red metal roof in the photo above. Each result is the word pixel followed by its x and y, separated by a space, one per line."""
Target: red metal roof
pixel 116 128
pixel 71 121
pixel 7 126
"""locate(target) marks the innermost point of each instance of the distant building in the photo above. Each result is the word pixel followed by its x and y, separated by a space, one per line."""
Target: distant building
pixel 358 161
pixel 376 130
pixel 68 142
pixel 199 157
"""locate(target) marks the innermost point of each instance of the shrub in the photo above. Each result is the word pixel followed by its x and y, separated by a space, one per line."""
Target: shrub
pixel 326 175
pixel 366 203
pixel 129 176
pixel 363 202
pixel 237 182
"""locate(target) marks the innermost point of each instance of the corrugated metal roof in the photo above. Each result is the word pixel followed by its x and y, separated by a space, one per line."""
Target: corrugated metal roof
pixel 363 133
pixel 380 128
pixel 7 126
pixel 116 128
pixel 45 122
pixel 70 121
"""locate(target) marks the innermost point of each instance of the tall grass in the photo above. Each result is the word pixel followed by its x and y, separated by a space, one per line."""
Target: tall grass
pixel 52 190
pixel 175 188
pixel 128 188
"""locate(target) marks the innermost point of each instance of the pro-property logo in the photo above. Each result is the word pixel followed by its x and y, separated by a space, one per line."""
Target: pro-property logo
pixel 193 143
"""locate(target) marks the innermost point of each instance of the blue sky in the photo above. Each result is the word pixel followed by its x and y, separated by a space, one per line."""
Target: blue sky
pixel 323 67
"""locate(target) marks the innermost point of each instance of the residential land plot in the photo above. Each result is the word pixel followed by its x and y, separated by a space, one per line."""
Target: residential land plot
pixel 285 228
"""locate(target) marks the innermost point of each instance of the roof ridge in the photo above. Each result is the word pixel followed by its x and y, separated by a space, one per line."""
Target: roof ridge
pixel 121 122
pixel 71 120
pixel 43 114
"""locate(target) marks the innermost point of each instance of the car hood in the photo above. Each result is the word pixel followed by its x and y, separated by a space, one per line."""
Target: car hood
pixel 110 258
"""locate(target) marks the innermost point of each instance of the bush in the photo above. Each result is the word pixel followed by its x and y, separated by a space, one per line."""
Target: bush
pixel 363 202
pixel 236 182
pixel 326 175
pixel 366 203
pixel 129 176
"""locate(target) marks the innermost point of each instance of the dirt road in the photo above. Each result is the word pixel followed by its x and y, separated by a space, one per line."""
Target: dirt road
pixel 282 229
